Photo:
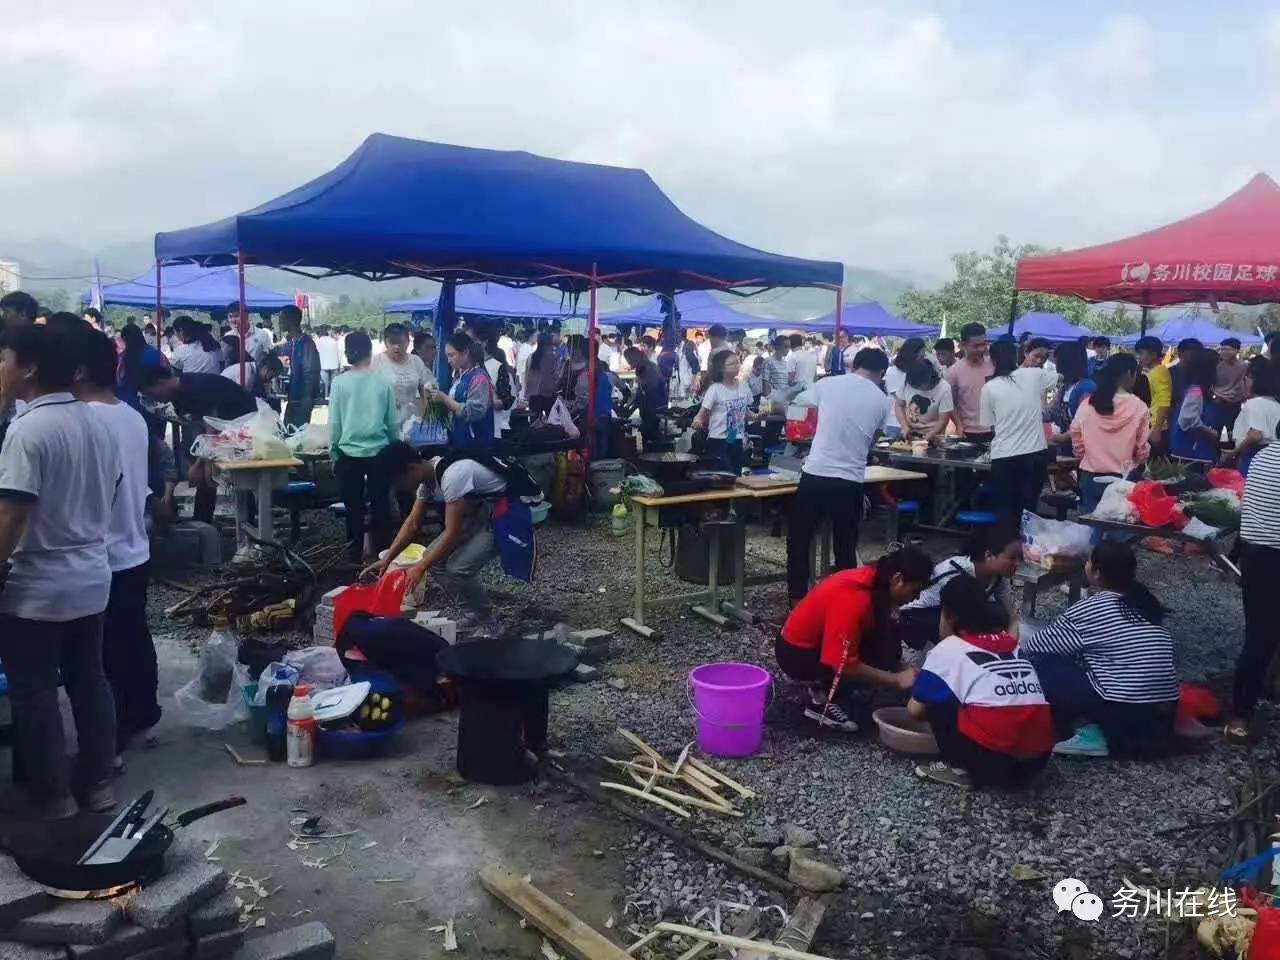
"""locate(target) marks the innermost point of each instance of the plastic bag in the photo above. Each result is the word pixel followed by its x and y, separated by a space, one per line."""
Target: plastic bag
pixel 1224 478
pixel 213 699
pixel 560 417
pixel 1115 504
pixel 382 599
pixel 319 667
pixel 419 433
pixel 1044 539
pixel 313 438
pixel 1155 506
pixel 255 436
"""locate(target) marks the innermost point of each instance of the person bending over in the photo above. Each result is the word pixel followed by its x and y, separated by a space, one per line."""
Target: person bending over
pixel 984 703
pixel 1107 664
pixel 470 486
pixel 992 558
pixel 841 630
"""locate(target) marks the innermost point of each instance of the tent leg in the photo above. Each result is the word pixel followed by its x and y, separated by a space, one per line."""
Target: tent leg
pixel 837 360
pixel 159 320
pixel 592 350
pixel 1013 312
pixel 1142 325
pixel 445 319
pixel 244 317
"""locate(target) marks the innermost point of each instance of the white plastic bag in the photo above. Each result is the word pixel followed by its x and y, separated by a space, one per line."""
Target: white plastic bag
pixel 1115 504
pixel 267 675
pixel 1043 540
pixel 313 438
pixel 318 667
pixel 560 417
pixel 255 436
pixel 214 698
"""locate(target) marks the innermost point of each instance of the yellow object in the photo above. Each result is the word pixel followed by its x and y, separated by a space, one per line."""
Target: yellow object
pixel 364 712
pixel 375 715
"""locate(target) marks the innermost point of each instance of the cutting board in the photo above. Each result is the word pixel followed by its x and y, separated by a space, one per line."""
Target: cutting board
pixel 768 482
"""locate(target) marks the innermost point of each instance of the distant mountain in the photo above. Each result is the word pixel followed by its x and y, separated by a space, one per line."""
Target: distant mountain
pixel 51 264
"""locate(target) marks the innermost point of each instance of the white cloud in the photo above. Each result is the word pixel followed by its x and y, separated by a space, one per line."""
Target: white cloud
pixel 842 130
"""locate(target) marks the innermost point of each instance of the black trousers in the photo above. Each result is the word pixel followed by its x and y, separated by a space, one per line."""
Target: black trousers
pixel 1259 569
pixel 1016 483
pixel 986 768
pixel 361 478
pixel 732 456
pixel 801 665
pixel 129 655
pixel 818 499
pixel 298 413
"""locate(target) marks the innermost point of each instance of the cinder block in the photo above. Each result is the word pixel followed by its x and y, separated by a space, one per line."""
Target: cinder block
pixel 19 895
pixel 311 941
pixel 126 942
pixel 25 951
pixel 90 922
pixel 217 915
pixel 591 638
pixel 217 945
pixel 187 883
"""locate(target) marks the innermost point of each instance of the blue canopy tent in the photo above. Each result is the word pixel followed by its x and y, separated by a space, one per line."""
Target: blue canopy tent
pixel 697 308
pixel 869 319
pixel 1051 326
pixel 400 207
pixel 189 287
pixel 1192 325
pixel 489 300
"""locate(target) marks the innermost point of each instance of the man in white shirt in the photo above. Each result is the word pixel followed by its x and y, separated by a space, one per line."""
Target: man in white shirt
pixel 59 474
pixel 330 358
pixel 804 361
pixel 852 410
pixel 128 653
pixel 465 545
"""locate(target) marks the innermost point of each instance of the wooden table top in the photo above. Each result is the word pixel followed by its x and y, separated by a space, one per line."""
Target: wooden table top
pixel 281 463
pixel 874 474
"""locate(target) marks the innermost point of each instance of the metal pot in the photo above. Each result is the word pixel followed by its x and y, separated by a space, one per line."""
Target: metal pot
pixel 667 467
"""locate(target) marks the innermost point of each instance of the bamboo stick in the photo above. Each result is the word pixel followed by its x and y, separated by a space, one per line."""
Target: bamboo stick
pixel 633 792
pixel 728 781
pixel 738 943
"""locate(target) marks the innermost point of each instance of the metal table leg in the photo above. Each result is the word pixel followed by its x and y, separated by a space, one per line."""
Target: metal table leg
pixel 636 623
pixel 266 487
pixel 710 609
pixel 738 607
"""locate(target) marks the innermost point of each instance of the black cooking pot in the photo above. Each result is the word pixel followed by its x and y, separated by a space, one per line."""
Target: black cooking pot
pixel 666 467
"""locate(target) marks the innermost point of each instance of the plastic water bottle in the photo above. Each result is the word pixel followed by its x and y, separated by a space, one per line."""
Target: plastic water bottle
pixel 279 692
pixel 620 518
pixel 302 728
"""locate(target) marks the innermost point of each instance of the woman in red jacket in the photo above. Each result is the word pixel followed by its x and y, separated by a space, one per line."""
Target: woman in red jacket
pixel 841 629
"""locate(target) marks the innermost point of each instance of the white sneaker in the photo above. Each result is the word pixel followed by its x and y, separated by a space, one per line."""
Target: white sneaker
pixel 831 715
pixel 941 772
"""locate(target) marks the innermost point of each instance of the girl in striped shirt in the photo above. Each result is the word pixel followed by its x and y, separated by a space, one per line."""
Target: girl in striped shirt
pixel 1107 664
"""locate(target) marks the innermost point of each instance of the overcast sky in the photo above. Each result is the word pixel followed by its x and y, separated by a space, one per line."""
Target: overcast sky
pixel 883 134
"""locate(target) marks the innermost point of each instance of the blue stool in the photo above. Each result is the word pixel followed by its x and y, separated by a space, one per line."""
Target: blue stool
pixel 296 496
pixel 896 512
pixel 975 518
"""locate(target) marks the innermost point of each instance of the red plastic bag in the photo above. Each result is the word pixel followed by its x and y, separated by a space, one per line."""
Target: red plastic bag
pixel 1224 478
pixel 1156 508
pixel 1265 944
pixel 382 599
pixel 1197 703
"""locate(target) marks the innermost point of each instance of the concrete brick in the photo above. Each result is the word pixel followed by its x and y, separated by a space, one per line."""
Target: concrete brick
pixel 217 915
pixel 217 945
pixel 176 950
pixel 311 941
pixel 812 874
pixel 24 951
pixel 20 896
pixel 187 883
pixel 591 638
pixel 584 673
pixel 89 922
pixel 126 942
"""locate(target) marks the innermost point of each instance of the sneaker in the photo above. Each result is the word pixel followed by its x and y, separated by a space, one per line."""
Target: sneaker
pixel 941 772
pixel 831 715
pixel 1087 742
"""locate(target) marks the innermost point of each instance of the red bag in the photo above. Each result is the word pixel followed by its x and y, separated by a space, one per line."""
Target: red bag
pixel 1224 478
pixel 382 599
pixel 1156 508
pixel 1197 703
pixel 1265 944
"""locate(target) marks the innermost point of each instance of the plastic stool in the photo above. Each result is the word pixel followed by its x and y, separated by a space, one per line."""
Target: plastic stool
pixel 296 495
pixel 896 510
pixel 975 518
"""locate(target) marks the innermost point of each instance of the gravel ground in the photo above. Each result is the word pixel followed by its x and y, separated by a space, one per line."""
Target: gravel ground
pixel 928 867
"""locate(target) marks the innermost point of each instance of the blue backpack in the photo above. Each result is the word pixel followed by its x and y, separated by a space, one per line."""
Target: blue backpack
pixel 512 518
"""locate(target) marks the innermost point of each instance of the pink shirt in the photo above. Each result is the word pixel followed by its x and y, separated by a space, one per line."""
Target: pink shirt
pixel 967 381
pixel 1115 443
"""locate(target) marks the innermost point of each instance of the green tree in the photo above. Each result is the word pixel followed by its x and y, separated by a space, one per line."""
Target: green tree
pixel 982 292
pixel 1269 319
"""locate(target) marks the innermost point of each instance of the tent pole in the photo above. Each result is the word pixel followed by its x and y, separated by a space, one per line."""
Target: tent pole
pixel 244 318
pixel 159 321
pixel 837 361
pixel 1013 311
pixel 592 348
pixel 444 321
pixel 1142 327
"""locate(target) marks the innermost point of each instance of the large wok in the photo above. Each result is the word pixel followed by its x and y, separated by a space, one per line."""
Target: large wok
pixel 667 467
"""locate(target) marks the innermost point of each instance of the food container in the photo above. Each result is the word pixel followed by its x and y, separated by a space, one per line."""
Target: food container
pixel 919 447
pixel 900 732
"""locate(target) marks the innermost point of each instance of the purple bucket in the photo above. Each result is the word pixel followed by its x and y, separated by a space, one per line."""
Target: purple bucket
pixel 729 701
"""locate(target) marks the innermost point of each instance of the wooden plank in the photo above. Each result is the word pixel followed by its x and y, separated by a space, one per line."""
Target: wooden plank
pixel 738 943
pixel 803 926
pixel 578 939
pixel 281 463
pixel 641 795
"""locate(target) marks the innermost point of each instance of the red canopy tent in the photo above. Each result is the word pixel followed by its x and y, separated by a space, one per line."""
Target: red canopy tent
pixel 1229 252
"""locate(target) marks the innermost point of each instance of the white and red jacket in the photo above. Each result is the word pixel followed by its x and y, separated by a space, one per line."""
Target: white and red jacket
pixel 996 693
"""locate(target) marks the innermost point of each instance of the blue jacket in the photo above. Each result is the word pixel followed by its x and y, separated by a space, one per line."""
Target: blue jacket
pixel 471 434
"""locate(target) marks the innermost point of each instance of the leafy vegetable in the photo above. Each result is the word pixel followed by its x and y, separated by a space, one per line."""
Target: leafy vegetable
pixel 1162 468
